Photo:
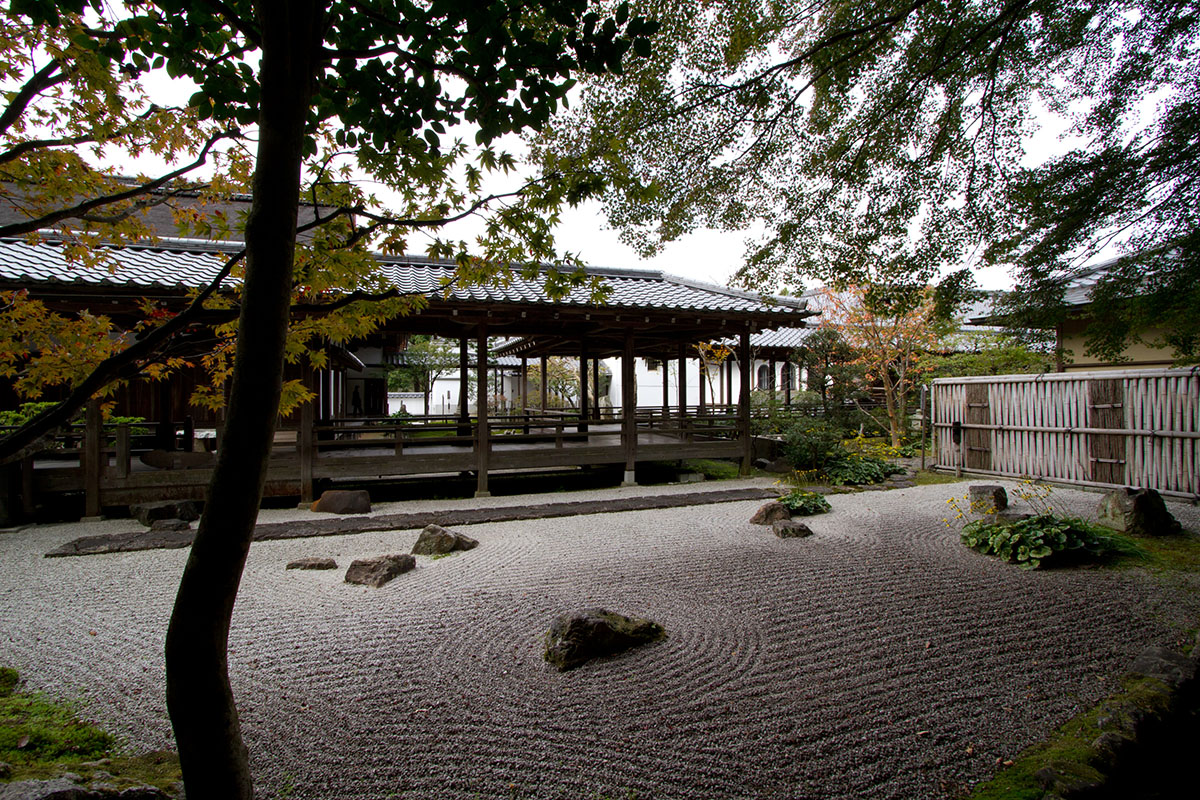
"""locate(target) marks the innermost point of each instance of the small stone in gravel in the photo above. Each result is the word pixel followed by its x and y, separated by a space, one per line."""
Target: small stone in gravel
pixel 312 562
pixel 1141 512
pixel 436 540
pixel 379 570
pixel 170 525
pixel 344 501
pixel 987 497
pixel 583 635
pixel 771 512
pixel 147 513
pixel 790 529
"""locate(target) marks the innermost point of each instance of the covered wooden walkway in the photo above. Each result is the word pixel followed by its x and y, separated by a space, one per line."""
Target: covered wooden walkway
pixel 645 315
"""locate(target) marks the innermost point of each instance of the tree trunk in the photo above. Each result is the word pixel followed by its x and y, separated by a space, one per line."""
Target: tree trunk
pixel 199 698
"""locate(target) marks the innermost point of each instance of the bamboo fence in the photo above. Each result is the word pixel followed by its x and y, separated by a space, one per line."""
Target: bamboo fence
pixel 1103 429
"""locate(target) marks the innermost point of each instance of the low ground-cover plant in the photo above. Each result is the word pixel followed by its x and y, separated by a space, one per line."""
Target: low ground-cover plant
pixel 1042 539
pixel 805 504
pixel 857 470
pixel 1046 540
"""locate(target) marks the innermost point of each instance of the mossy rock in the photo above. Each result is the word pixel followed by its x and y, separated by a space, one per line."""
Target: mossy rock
pixel 594 632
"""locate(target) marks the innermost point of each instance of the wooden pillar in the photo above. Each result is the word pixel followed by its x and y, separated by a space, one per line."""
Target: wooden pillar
pixel 545 382
pixel 629 410
pixel 583 387
pixel 306 444
pixel 744 402
pixel 595 388
pixel 682 381
pixel 524 385
pixel 787 384
pixel 665 368
pixel 92 468
pixel 165 433
pixel 729 380
pixel 464 388
pixel 771 378
pixel 482 434
pixel 703 378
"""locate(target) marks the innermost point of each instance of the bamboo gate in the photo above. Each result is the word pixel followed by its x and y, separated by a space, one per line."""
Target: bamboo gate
pixel 1104 429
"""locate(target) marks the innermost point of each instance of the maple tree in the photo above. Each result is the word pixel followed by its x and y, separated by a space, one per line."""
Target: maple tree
pixel 892 331
pixel 378 83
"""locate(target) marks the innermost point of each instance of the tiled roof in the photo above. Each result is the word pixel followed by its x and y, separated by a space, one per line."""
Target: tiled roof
pixel 181 264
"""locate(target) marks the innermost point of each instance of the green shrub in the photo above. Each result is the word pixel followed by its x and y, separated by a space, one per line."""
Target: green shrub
pixel 856 470
pixel 1046 540
pixel 23 413
pixel 805 503
pixel 812 443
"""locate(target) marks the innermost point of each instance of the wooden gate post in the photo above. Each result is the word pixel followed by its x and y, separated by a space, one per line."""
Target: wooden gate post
pixel 92 468
pixel 744 402
pixel 483 433
pixel 629 410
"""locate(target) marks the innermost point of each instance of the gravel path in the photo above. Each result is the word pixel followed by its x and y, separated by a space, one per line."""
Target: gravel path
pixel 878 658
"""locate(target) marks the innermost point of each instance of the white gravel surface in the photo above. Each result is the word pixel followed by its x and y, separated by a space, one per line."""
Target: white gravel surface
pixel 877 659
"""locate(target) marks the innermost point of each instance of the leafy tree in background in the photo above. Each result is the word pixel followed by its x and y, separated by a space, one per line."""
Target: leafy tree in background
pixel 887 141
pixel 384 80
pixel 892 335
pixel 987 353
pixel 562 380
pixel 426 359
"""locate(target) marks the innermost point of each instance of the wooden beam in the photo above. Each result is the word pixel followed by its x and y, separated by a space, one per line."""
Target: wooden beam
pixel 744 402
pixel 681 353
pixel 464 388
pixel 545 382
pixel 583 387
pixel 91 459
pixel 629 410
pixel 482 434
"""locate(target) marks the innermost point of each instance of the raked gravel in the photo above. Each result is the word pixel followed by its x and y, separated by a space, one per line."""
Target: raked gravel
pixel 877 659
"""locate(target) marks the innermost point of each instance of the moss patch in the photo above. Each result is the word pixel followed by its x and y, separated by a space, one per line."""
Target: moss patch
pixel 929 478
pixel 1068 750
pixel 712 469
pixel 42 739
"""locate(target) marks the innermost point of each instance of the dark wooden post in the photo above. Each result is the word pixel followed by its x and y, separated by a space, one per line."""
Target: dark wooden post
pixel 545 382
pixel 744 402
pixel 681 392
pixel 665 368
pixel 595 388
pixel 702 376
pixel 729 381
pixel 629 410
pixel 92 468
pixel 124 449
pixel 524 385
pixel 787 383
pixel 482 436
pixel 464 388
pixel 583 387
pixel 306 443
pixel 771 378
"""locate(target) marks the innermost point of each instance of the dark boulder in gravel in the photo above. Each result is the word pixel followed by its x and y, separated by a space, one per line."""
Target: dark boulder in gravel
pixel 988 498
pixel 344 501
pixel 1141 512
pixel 312 562
pixel 790 529
pixel 148 513
pixel 771 512
pixel 594 632
pixel 436 540
pixel 379 570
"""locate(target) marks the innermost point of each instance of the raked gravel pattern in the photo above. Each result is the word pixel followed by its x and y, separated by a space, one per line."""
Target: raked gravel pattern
pixel 877 659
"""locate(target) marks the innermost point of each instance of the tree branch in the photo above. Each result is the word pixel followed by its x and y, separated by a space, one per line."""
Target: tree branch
pixel 82 208
pixel 39 82
pixel 111 368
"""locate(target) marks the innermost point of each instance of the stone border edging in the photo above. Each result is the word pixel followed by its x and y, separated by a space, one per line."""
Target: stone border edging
pixel 168 540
